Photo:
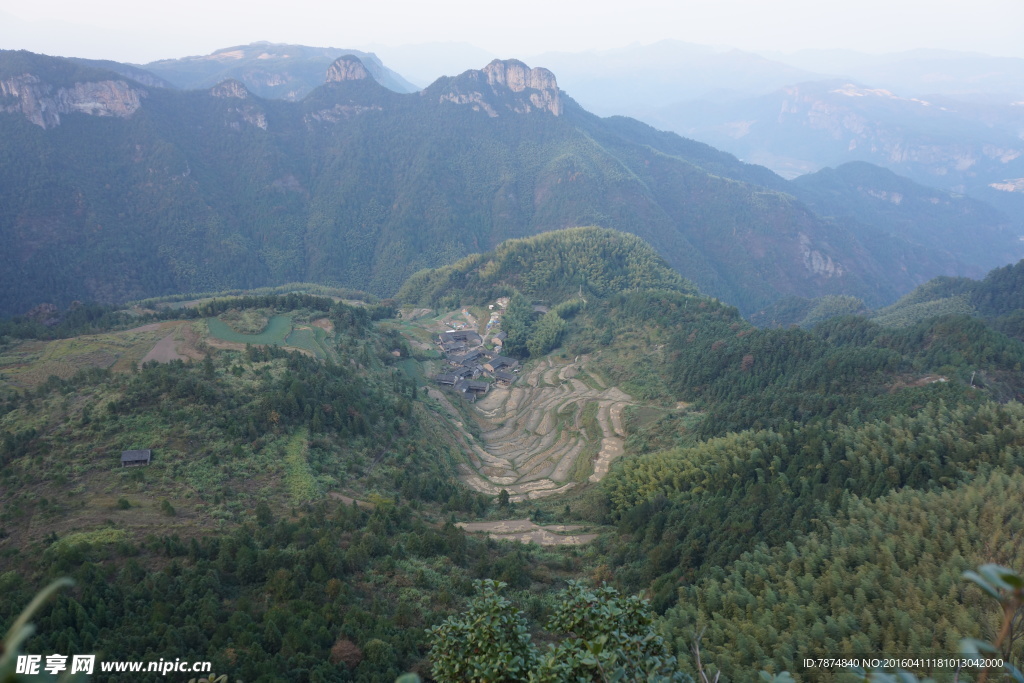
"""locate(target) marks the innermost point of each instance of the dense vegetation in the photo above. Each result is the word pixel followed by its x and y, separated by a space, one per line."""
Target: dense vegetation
pixel 226 546
pixel 552 267
pixel 787 493
pixel 998 299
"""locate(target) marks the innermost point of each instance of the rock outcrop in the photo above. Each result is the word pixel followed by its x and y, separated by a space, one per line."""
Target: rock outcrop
pixel 816 262
pixel 347 68
pixel 230 88
pixel 43 104
pixel 246 113
pixel 504 85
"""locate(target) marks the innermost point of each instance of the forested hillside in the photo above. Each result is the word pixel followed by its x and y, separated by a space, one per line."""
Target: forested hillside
pixel 116 190
pixel 998 299
pixel 771 523
pixel 840 481
pixel 235 544
pixel 787 493
pixel 553 267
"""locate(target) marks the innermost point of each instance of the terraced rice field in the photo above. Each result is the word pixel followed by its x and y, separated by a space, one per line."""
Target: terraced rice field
pixel 311 339
pixel 543 436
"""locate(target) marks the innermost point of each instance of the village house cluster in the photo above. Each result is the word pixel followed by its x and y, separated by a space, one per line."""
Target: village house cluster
pixel 469 360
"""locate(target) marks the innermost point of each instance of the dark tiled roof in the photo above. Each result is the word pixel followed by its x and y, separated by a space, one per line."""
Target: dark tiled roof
pixel 135 456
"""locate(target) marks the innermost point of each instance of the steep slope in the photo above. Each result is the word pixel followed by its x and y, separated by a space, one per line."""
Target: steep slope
pixel 116 190
pixel 959 234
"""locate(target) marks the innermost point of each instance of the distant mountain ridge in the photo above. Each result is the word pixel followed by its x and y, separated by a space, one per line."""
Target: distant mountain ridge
pixel 947 119
pixel 806 126
pixel 135 191
pixel 270 70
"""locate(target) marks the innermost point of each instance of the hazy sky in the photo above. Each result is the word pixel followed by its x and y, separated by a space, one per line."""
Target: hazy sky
pixel 145 30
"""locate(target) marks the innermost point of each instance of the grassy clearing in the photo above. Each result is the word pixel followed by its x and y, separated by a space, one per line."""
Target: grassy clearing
pixel 30 364
pixel 299 480
pixel 94 537
pixel 585 377
pixel 589 422
pixel 583 467
pixel 482 315
pixel 247 320
pixel 415 370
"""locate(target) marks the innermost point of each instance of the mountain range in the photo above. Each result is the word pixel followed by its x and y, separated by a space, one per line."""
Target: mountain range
pixel 119 189
pixel 946 119
pixel 270 70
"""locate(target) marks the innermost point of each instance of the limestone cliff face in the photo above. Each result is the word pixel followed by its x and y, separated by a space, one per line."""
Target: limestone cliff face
pixel 346 68
pixel 816 262
pixel 245 113
pixel 230 88
pixel 359 99
pixel 505 85
pixel 43 104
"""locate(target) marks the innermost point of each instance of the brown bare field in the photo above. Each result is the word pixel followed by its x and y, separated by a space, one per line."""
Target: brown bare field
pixel 165 351
pixel 525 531
pixel 324 324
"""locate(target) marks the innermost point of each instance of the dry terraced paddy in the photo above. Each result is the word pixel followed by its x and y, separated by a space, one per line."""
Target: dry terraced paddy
pixel 525 531
pixel 543 436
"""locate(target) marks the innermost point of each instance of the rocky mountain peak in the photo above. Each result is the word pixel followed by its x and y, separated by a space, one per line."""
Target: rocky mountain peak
pixel 517 76
pixel 505 84
pixel 230 88
pixel 347 68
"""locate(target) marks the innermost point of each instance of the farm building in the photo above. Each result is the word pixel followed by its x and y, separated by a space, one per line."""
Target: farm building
pixel 468 358
pixel 499 363
pixel 472 389
pixel 446 379
pixel 131 458
pixel 468 337
pixel 504 378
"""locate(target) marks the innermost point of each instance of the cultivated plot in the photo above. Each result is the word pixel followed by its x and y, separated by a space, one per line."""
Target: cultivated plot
pixel 544 436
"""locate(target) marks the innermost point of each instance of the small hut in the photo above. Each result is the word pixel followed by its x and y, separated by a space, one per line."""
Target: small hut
pixel 132 458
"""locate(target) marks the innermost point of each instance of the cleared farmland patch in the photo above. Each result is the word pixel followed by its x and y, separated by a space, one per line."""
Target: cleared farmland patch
pixel 29 364
pixel 525 531
pixel 533 436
